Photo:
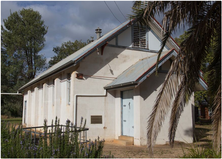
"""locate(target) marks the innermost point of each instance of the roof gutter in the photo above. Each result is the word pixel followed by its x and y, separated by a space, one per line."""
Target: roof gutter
pixel 153 67
pixel 133 83
pixel 11 93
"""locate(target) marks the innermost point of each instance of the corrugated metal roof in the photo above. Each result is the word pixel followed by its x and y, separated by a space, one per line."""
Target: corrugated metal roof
pixel 139 71
pixel 76 57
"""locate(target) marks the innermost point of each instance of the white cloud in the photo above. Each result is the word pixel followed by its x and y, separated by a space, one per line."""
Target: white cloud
pixel 6 7
pixel 70 20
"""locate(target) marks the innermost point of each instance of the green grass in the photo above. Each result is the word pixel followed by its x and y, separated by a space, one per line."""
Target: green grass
pixel 13 120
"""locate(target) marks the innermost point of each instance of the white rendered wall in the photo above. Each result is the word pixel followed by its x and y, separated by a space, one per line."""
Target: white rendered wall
pixel 29 108
pixel 117 114
pixel 111 64
pixel 40 118
pixel 154 42
pixel 184 131
pixel 63 99
pixel 50 103
pixel 36 108
pixel 24 114
pixel 33 107
pixel 149 90
pixel 45 101
pixel 57 97
pixel 137 114
pixel 98 71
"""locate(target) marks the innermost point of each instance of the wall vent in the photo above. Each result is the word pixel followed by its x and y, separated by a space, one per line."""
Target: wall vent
pixel 96 119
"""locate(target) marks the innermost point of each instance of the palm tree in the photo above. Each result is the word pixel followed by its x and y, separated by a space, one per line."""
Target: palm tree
pixel 204 21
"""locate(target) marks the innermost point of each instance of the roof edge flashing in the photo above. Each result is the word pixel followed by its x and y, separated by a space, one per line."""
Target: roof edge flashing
pixel 121 85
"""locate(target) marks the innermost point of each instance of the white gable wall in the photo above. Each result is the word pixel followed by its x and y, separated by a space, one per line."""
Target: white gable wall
pixel 126 39
pixel 149 91
pixel 154 42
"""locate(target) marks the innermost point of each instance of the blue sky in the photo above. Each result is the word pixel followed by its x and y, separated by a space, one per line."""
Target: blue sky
pixel 72 20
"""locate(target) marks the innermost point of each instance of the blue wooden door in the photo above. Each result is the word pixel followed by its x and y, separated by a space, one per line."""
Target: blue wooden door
pixel 127 113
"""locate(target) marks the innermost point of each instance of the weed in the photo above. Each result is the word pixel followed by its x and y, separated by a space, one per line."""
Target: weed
pixel 199 152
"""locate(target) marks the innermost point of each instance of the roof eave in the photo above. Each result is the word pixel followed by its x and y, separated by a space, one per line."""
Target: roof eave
pixel 128 84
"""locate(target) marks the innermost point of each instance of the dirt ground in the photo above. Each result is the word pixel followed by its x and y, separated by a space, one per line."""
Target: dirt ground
pixel 203 137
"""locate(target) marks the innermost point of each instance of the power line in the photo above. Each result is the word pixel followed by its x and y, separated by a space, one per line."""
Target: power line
pixel 112 12
pixel 120 11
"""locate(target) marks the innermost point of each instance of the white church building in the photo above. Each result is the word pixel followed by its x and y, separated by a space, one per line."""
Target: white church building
pixel 111 83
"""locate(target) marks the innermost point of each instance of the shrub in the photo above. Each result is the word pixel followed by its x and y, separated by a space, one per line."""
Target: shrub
pixel 197 152
pixel 52 143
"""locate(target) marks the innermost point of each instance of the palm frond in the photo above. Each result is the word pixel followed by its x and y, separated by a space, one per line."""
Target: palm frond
pixel 176 111
pixel 217 121
pixel 162 104
pixel 214 69
pixel 204 18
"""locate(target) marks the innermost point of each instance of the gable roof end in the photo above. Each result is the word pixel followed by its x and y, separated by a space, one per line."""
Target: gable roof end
pixel 140 71
pixel 76 57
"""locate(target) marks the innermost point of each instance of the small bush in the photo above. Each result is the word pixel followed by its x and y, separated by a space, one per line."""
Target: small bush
pixel 53 143
pixel 197 152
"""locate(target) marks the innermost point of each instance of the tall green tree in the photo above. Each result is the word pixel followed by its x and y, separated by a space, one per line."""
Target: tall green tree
pixel 66 49
pixel 204 19
pixel 181 38
pixel 22 37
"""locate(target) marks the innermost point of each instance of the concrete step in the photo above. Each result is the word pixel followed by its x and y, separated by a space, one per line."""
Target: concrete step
pixel 122 142
pixel 126 138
